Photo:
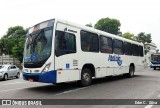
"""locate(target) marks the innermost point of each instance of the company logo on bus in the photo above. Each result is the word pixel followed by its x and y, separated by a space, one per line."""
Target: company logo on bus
pixel 115 58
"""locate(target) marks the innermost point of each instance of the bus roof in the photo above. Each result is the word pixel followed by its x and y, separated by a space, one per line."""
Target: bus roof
pixel 90 29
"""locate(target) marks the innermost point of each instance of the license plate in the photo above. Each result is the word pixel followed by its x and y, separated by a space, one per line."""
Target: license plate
pixel 31 80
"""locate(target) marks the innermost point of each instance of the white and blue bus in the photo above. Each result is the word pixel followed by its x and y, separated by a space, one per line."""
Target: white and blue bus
pixel 59 51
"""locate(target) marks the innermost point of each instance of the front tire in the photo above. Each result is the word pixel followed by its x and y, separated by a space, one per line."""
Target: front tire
pixel 86 77
pixel 131 72
pixel 5 77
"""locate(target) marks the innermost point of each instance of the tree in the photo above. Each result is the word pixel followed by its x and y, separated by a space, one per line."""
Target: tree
pixel 17 50
pixel 109 25
pixel 128 35
pixel 89 25
pixel 157 50
pixel 142 37
pixel 13 42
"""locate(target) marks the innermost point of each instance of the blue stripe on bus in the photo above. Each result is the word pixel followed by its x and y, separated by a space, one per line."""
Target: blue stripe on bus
pixel 46 77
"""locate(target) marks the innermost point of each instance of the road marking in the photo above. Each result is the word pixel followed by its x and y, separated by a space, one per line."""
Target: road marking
pixel 71 91
pixel 12 89
pixel 13 83
pixel 148 106
pixel 75 89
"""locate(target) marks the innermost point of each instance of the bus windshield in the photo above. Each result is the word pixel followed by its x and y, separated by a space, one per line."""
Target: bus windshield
pixel 38 45
pixel 155 57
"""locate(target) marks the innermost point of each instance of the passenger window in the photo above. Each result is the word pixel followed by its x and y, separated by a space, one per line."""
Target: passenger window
pixel 65 43
pixel 135 50
pixel 9 68
pixel 106 44
pixel 118 46
pixel 127 48
pixel 141 51
pixel 89 41
pixel 13 67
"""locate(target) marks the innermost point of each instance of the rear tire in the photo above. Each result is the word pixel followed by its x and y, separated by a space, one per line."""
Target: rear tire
pixel 154 68
pixel 131 72
pixel 18 75
pixel 5 77
pixel 86 77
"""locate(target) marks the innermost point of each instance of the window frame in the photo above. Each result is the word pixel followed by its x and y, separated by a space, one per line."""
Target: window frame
pixel 64 52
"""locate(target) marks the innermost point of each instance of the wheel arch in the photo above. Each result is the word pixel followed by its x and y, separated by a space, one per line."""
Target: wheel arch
pixel 91 67
pixel 132 64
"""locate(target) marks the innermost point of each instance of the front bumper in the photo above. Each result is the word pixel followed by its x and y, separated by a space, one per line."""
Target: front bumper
pixel 154 65
pixel 46 77
pixel 1 75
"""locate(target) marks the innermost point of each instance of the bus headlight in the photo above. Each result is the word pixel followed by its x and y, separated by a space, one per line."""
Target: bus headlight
pixel 46 68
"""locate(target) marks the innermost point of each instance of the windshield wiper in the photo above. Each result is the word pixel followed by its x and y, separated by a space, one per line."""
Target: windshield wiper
pixel 33 42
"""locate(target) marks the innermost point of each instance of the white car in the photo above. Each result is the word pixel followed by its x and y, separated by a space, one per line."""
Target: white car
pixel 7 71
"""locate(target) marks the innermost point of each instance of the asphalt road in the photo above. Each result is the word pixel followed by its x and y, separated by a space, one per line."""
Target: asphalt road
pixel 145 85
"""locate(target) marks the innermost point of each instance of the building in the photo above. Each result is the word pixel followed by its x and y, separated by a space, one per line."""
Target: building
pixel 150 48
pixel 7 59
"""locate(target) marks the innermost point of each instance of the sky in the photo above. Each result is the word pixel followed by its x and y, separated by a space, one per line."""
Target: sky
pixel 135 16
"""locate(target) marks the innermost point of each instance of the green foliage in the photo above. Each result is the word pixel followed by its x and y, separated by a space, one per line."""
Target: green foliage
pixel 142 37
pixel 109 25
pixel 16 31
pixel 157 50
pixel 128 35
pixel 13 42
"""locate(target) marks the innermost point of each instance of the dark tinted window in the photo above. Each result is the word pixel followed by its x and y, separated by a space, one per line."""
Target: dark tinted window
pixel 89 42
pixel 13 67
pixel 65 43
pixel 135 50
pixel 118 47
pixel 105 44
pixel 127 47
pixel 141 51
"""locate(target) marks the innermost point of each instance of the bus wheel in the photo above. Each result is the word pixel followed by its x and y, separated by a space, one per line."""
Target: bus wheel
pixel 86 77
pixel 154 68
pixel 131 72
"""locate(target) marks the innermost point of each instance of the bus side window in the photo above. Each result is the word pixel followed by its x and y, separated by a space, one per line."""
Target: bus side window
pixel 118 46
pixel 106 44
pixel 65 43
pixel 89 41
pixel 135 51
pixel 127 48
pixel 141 51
